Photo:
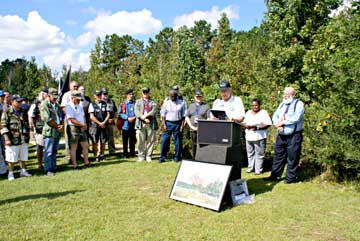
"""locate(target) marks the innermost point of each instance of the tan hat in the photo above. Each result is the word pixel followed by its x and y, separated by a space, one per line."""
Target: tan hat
pixel 53 92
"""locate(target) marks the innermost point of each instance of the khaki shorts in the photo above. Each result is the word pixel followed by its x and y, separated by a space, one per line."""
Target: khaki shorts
pixel 39 139
pixel 17 153
pixel 76 135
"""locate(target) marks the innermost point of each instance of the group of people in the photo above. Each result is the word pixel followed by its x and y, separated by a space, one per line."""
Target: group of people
pixel 93 121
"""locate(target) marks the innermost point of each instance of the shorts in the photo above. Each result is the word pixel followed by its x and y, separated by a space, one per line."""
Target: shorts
pixel 17 153
pixel 39 139
pixel 76 134
pixel 98 134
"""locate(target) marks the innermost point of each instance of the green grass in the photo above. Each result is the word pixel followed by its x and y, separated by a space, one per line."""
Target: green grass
pixel 124 200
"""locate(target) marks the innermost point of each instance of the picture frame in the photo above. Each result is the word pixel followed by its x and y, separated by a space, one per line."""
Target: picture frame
pixel 239 191
pixel 200 183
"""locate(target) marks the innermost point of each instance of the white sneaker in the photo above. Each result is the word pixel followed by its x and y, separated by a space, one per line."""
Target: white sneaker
pixel 25 174
pixel 148 159
pixel 141 159
pixel 11 176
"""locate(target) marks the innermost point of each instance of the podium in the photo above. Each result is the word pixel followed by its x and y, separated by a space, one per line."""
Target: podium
pixel 221 142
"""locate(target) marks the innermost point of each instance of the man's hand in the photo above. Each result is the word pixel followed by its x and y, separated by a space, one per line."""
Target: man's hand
pixel 131 119
pixel 164 127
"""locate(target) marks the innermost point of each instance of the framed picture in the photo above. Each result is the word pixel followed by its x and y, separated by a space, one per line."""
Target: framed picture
pixel 239 191
pixel 201 184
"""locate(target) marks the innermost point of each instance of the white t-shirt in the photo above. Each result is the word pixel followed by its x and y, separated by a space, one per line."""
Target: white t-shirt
pixel 260 118
pixel 74 111
pixel 233 108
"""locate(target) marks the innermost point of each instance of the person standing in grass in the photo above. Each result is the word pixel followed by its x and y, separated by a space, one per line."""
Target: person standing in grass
pixel 172 114
pixel 197 111
pixel 145 125
pixel 76 126
pixel 287 119
pixel 99 115
pixel 256 123
pixel 51 115
pixel 110 124
pixel 128 129
pixel 16 133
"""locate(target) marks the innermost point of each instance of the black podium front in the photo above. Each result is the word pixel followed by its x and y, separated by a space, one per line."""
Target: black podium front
pixel 220 142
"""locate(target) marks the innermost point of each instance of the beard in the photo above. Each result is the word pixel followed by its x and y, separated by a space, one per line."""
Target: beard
pixel 287 101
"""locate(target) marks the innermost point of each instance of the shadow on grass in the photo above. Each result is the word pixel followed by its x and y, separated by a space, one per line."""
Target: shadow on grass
pixel 51 195
pixel 258 185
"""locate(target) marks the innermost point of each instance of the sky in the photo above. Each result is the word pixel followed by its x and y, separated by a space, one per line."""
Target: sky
pixel 64 32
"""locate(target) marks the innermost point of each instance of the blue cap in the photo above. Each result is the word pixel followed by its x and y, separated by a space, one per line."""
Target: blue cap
pixel 2 93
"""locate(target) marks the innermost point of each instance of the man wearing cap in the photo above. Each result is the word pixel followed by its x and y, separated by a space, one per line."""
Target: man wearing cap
pixel 16 133
pixel 51 115
pixel 197 111
pixel 76 126
pixel 128 129
pixel 232 105
pixel 173 122
pixel 64 101
pixel 38 125
pixel 110 124
pixel 99 115
pixel 145 125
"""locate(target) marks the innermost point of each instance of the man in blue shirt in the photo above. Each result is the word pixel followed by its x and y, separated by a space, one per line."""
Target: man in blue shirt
pixel 288 120
pixel 128 129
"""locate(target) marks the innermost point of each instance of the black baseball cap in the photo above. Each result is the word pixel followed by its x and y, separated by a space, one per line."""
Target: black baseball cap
pixel 198 93
pixel 18 98
pixel 128 91
pixel 224 85
pixel 145 90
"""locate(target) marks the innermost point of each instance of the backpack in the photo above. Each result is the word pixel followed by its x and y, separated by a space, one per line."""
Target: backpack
pixel 120 121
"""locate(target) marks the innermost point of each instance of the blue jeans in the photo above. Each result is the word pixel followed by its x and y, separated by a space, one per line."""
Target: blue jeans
pixel 173 127
pixel 51 146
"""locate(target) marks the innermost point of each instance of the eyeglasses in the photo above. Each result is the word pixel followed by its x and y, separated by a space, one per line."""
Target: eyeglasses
pixel 198 96
pixel 75 86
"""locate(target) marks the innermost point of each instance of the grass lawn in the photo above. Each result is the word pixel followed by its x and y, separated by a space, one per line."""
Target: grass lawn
pixel 121 199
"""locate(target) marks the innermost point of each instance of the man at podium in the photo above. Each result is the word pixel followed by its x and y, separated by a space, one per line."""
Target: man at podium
pixel 232 105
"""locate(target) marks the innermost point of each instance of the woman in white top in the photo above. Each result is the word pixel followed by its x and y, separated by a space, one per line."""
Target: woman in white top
pixel 256 123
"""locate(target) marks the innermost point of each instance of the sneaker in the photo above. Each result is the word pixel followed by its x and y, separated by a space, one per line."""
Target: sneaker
pixel 248 170
pixel 11 176
pixel 25 174
pixel 141 159
pixel 148 159
pixel 101 157
pixel 50 174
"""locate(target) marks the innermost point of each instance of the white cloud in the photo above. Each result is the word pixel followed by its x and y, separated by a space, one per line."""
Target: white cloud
pixel 211 16
pixel 122 22
pixel 33 36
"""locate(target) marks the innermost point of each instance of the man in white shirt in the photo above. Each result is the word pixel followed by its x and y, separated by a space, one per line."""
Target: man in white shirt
pixel 232 105
pixel 76 126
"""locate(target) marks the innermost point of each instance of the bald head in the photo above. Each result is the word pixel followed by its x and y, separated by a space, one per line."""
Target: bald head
pixel 73 85
pixel 289 93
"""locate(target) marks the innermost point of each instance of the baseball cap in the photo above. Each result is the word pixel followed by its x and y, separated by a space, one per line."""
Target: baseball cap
pixel 97 92
pixel 2 93
pixel 198 93
pixel 145 90
pixel 76 94
pixel 45 90
pixel 128 91
pixel 175 87
pixel 53 92
pixel 224 85
pixel 104 90
pixel 18 98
